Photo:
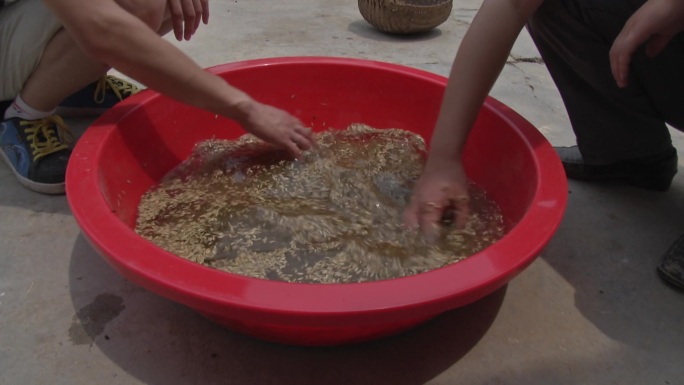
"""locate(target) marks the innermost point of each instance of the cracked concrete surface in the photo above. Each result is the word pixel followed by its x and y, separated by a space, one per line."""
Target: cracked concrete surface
pixel 590 310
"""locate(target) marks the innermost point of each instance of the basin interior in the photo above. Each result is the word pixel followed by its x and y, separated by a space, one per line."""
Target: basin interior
pixel 155 136
pixel 131 147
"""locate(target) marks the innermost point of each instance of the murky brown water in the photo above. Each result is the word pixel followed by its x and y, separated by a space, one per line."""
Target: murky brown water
pixel 333 216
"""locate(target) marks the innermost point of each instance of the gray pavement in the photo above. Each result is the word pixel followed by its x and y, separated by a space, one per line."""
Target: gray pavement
pixel 590 310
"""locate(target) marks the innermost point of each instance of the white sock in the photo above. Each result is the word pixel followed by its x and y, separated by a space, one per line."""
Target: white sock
pixel 19 109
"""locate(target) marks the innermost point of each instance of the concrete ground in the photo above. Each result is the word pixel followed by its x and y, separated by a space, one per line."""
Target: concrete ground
pixel 590 310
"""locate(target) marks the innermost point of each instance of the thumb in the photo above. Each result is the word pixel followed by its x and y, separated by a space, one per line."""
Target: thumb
pixel 462 206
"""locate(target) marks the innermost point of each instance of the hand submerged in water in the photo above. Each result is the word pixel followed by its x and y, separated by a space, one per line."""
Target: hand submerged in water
pixel 277 127
pixel 442 187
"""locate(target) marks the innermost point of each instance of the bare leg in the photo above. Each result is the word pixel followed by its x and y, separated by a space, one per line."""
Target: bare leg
pixel 65 69
pixel 62 70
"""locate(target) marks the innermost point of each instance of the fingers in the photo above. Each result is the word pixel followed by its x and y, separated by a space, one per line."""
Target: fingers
pixel 205 11
pixel 410 216
pixel 176 18
pixel 614 69
pixel 621 52
pixel 303 143
pixel 293 149
pixel 462 206
pixel 620 58
pixel 306 132
pixel 651 23
pixel 186 16
pixel 428 220
pixel 279 128
pixel 189 18
pixel 623 49
pixel 198 15
pixel 425 215
pixel 300 140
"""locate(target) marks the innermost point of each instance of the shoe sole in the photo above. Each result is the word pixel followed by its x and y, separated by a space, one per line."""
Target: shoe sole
pixel 43 188
pixel 670 270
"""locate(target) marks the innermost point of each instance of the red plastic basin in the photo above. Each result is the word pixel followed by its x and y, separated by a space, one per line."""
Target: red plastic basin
pixel 132 146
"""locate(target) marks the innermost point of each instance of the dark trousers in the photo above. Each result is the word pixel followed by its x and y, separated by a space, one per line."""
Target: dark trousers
pixel 611 124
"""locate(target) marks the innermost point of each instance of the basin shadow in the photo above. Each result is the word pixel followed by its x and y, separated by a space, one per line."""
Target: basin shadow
pixel 162 342
pixel 363 29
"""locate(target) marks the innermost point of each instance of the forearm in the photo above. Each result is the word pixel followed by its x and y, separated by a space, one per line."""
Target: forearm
pixel 111 35
pixel 479 61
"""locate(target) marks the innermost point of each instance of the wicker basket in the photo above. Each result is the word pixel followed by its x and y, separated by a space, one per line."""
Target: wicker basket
pixel 405 16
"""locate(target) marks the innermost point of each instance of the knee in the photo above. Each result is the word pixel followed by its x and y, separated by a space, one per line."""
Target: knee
pixel 151 12
pixel 543 17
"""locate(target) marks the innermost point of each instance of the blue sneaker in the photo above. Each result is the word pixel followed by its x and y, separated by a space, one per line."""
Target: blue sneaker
pixel 37 151
pixel 97 97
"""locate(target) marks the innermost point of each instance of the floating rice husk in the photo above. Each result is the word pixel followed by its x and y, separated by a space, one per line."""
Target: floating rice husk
pixel 331 217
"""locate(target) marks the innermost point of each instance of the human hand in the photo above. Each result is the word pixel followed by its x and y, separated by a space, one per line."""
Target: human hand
pixel 657 21
pixel 442 186
pixel 277 127
pixel 186 16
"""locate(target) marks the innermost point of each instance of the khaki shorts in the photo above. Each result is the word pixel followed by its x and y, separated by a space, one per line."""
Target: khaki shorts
pixel 26 28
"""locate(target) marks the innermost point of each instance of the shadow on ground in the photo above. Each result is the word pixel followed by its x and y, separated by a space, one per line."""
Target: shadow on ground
pixel 161 342
pixel 607 248
pixel 365 30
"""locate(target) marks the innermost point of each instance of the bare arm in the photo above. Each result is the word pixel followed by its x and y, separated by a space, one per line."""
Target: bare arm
pixel 109 34
pixel 479 61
